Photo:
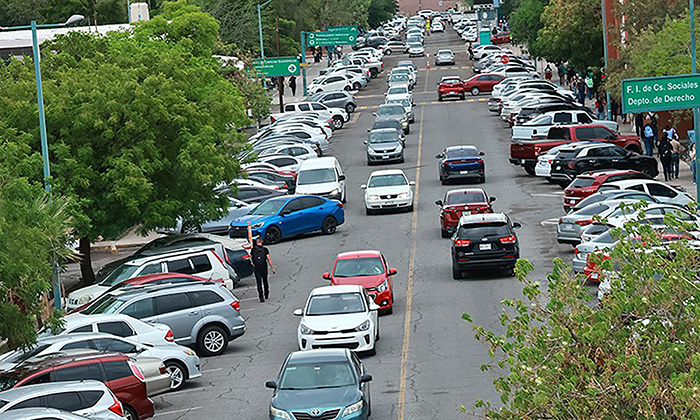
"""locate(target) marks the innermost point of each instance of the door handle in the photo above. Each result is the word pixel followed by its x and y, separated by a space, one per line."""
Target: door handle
pixel 193 313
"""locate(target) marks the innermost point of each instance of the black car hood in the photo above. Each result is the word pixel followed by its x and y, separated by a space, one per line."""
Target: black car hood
pixel 323 399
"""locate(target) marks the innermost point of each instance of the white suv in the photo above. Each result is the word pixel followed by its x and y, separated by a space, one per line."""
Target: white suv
pixel 330 83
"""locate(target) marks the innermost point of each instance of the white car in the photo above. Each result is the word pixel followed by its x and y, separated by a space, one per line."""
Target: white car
pixel 338 316
pixel 330 83
pixel 284 162
pixel 663 192
pixel 115 324
pixel 544 162
pixel 388 189
pixel 540 125
pixel 299 151
pixel 398 92
pixel 416 49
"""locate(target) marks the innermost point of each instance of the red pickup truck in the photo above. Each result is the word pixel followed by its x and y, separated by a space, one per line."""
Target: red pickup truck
pixel 525 153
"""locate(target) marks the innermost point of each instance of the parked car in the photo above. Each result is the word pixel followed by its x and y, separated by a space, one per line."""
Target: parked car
pixel 89 398
pixel 388 189
pixel 203 315
pixel 256 194
pixel 664 193
pixel 500 38
pixel 613 195
pixel 415 49
pixel 444 57
pixel 297 151
pixel 570 226
pixel 119 325
pixel 459 202
pixel 482 83
pixel 330 83
pixel 588 183
pixel 338 99
pixel 484 240
pixel 323 177
pixel 280 218
pixel 541 124
pixel 119 372
pixel 461 162
pixel 451 86
pixel 395 47
pixel 288 181
pixel 368 269
pixel 335 376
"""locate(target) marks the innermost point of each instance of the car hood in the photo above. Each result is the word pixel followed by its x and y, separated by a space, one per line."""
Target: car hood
pixel 95 290
pixel 388 190
pixel 322 399
pixel 252 218
pixel 322 188
pixel 334 322
pixel 364 281
pixel 389 145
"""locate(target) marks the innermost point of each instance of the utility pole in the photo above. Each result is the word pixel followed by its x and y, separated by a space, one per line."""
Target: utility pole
pixel 696 111
pixel 280 85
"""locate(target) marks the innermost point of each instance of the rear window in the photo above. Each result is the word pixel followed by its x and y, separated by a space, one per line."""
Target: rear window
pixel 592 209
pixel 582 182
pixel 460 153
pixel 567 154
pixel 449 81
pixel 483 230
pixel 117 369
pixel 466 197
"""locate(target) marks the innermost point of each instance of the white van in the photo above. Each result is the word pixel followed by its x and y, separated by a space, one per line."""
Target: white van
pixel 321 176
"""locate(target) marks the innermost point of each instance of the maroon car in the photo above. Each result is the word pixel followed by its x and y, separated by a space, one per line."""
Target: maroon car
pixel 461 201
pixel 451 86
pixel 482 83
pixel 121 375
pixel 500 38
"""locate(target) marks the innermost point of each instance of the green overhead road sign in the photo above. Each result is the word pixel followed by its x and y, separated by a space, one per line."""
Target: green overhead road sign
pixel 278 66
pixel 661 93
pixel 342 35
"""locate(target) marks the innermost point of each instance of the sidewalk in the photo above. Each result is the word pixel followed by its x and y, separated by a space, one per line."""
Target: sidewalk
pixel 313 70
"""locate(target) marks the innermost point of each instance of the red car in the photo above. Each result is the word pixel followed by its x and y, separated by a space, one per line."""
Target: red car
pixel 369 270
pixel 500 38
pixel 121 375
pixel 456 202
pixel 590 270
pixel 482 83
pixel 451 86
pixel 588 183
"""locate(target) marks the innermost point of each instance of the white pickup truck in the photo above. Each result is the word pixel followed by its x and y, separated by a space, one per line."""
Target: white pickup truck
pixel 539 126
pixel 337 115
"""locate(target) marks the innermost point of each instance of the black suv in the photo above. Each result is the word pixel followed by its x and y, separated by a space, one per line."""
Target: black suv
pixel 484 240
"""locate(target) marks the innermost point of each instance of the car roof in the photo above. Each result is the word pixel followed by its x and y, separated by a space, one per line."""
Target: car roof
pixel 383 130
pixel 320 162
pixel 179 251
pixel 628 182
pixel 461 147
pixel 58 359
pixel 387 172
pixel 608 172
pixel 350 255
pixel 29 391
pixel 318 355
pixel 77 318
pixel 129 292
pixel 466 190
pixel 334 290
pixel 483 218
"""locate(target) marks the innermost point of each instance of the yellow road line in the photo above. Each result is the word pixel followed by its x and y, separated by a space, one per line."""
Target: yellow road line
pixel 409 288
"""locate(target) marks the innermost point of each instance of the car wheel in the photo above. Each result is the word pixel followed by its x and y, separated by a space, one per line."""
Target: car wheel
pixel 177 374
pixel 409 209
pixel 407 130
pixel 338 122
pixel 329 225
pixel 530 170
pixel 346 88
pixel 456 274
pixel 212 341
pixel 372 73
pixel 475 91
pixel 439 98
pixel 190 228
pixel 462 97
pixel 444 233
pixel 482 179
pixel 350 108
pixel 272 235
pixel 130 413
pixel 356 86
pixel 319 91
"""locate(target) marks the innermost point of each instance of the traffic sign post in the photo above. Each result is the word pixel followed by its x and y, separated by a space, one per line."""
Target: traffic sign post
pixel 505 59
pixel 278 66
pixel 340 35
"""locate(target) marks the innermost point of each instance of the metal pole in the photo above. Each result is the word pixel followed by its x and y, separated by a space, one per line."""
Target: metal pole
pixel 128 10
pixel 696 114
pixel 302 35
pixel 605 53
pixel 262 48
pixel 281 79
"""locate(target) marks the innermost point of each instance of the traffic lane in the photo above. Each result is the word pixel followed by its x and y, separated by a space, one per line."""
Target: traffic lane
pixel 236 379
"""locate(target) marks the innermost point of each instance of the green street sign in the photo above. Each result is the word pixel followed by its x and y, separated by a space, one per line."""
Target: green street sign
pixel 278 66
pixel 661 93
pixel 340 35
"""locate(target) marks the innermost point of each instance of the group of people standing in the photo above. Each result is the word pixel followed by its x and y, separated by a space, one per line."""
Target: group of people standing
pixel 666 142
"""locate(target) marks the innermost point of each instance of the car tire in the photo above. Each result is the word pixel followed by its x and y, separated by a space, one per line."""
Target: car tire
pixel 347 88
pixel 350 108
pixel 475 91
pixel 178 374
pixel 456 274
pixel 373 73
pixel 338 122
pixel 319 91
pixel 212 341
pixel 409 209
pixel 482 179
pixel 444 233
pixel 130 413
pixel 530 170
pixel 329 225
pixel 356 86
pixel 462 97
pixel 272 235
pixel 407 130
pixel 439 98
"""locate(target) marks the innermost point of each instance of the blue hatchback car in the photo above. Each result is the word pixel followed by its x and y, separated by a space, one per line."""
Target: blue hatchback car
pixel 282 217
pixel 327 384
pixel 461 162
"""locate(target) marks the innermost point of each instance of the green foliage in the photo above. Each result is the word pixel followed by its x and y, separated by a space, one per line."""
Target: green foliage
pixel 381 11
pixel 507 8
pixel 635 356
pixel 525 22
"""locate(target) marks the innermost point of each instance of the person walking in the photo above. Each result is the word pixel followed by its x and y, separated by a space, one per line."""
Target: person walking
pixel 600 107
pixel 548 73
pixel 676 150
pixel 665 155
pixel 648 137
pixel 293 85
pixel 639 124
pixel 589 85
pixel 614 107
pixel 261 259
pixel 470 50
pixel 693 163
pixel 561 72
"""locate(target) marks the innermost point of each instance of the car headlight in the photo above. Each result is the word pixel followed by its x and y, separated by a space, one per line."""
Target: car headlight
pixel 352 409
pixel 403 195
pixel 257 225
pixel 85 299
pixel 304 330
pixel 384 286
pixel 363 327
pixel 373 197
pixel 281 414
pixel 335 192
pixel 189 352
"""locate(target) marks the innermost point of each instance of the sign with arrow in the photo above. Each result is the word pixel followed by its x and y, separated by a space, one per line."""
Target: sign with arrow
pixel 337 35
pixel 278 66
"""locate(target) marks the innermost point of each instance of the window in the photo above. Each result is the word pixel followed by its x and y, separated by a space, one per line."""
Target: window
pixel 91 397
pixel 680 215
pixel 297 151
pixel 309 202
pixel 118 328
pixel 304 107
pixel 78 373
pixel 200 263
pixel 116 370
pixel 246 193
pixel 151 269
pixel 562 117
pixel 586 133
pixel 41 379
pixel 282 161
pixel 172 303
pixel 289 108
pixel 83 329
pixel 293 205
pixel 32 402
pixel 603 133
pixel 180 266
pixel 661 190
pixel 332 80
pixel 140 309
pixel 583 118
pixel 318 107
pixel 204 297
pixel 82 344
pixel 112 344
pixel 638 187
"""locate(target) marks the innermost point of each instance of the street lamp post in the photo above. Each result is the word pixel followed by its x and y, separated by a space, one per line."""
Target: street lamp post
pixel 262 47
pixel 696 111
pixel 42 120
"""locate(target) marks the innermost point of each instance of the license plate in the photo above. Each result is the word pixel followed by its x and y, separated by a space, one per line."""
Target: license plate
pixel 485 247
pixel 385 157
pixel 566 227
pixel 594 276
pixel 464 172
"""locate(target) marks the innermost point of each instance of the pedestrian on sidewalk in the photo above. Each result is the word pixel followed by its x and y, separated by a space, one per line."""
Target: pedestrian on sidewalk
pixel 548 73
pixel 654 123
pixel 693 162
pixel 614 108
pixel 600 107
pixel 261 259
pixel 589 85
pixel 639 124
pixel 648 137
pixel 293 85
pixel 676 150
pixel 665 152
pixel 561 72
pixel 670 131
pixel 470 50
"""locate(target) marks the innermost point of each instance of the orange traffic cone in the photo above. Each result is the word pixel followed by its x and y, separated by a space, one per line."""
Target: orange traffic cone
pixel 428 64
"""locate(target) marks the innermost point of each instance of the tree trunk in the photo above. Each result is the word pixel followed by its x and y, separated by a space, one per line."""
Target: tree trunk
pixel 86 270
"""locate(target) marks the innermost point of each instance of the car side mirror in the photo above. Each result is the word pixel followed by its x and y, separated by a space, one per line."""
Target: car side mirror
pixel 363 186
pixel 392 272
pixel 439 156
pixel 271 384
pixel 482 153
pixel 326 276
pixel 369 129
pixel 438 203
pixel 298 312
pixel 341 178
pixel 517 225
pixel 412 183
pixel 492 199
pixel 365 378
pixel 374 114
pixel 364 142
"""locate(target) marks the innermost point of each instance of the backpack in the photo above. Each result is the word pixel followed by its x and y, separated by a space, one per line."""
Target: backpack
pixel 648 131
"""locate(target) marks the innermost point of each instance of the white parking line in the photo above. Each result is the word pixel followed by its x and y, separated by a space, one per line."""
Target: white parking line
pixel 176 411
pixel 550 222
pixel 556 195
pixel 183 391
pixel 211 370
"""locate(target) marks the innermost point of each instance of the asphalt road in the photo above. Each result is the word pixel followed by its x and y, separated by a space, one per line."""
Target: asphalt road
pixel 427 363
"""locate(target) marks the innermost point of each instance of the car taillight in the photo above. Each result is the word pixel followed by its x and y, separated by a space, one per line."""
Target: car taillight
pixel 246 257
pixel 236 305
pixel 272 119
pixel 136 371
pixel 462 242
pixel 480 162
pixel 561 221
pixel 538 150
pixel 339 204
pixel 508 240
pixel 116 408
pixel 169 336
pixel 549 161
pixel 571 164
pixel 162 370
pixel 584 222
pixel 576 251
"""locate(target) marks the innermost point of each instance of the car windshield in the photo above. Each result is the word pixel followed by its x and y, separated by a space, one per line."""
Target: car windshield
pixel 389 110
pixel 317 375
pixel 605 238
pixel 107 304
pixel 580 182
pixel 398 78
pixel 316 176
pixel 393 180
pixel 415 45
pixel 461 153
pixel 359 267
pixel 483 230
pixel 397 90
pixel 316 96
pixel 269 207
pixel 445 53
pixel 7 381
pixel 335 304
pixel 465 197
pixel 591 210
pixel 383 137
pixel 123 272
pixel 403 102
pixel 455 80
pixel 19 356
pixel 622 212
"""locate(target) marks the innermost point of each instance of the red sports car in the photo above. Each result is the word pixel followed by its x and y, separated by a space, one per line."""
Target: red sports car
pixel 369 270
pixel 456 202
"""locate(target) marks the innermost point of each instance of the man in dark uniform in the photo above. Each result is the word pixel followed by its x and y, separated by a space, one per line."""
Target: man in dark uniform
pixel 261 258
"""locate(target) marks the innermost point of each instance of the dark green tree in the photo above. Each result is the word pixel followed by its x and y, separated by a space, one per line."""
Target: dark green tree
pixel 380 11
pixel 526 23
